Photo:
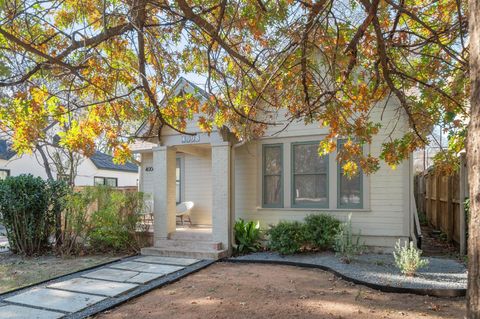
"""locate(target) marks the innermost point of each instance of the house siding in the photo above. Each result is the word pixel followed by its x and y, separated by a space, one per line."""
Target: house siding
pixel 385 216
pixel 197 185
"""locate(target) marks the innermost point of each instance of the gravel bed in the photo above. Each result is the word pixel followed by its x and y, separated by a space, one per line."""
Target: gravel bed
pixel 378 269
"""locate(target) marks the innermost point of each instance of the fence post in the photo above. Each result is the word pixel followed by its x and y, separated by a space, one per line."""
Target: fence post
pixel 428 197
pixel 438 203
pixel 449 208
pixel 423 194
pixel 461 198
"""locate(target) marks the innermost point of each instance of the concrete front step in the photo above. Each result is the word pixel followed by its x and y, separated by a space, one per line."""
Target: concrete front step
pixel 188 244
pixel 185 252
pixel 191 235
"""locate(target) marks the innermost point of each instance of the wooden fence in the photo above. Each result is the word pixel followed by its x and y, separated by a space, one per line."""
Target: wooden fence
pixel 94 206
pixel 441 198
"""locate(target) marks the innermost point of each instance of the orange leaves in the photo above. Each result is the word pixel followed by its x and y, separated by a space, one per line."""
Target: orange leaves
pixel 122 153
pixel 204 124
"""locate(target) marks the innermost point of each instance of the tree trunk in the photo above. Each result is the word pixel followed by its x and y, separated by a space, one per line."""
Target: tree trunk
pixel 473 164
pixel 46 164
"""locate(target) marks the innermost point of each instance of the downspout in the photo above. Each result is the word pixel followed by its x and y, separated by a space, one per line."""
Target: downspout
pixel 411 217
pixel 414 223
pixel 233 147
pixel 232 195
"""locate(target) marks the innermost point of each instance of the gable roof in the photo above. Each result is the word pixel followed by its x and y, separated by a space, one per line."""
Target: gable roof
pixel 6 152
pixel 105 161
pixel 181 86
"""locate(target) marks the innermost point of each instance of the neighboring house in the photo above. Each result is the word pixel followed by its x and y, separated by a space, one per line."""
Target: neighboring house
pixel 437 141
pixel 96 170
pixel 278 177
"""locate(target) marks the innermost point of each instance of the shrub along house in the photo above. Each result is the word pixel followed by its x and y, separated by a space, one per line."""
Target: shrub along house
pixel 277 177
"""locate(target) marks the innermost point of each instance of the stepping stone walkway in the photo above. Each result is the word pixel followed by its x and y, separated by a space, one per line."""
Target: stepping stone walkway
pixel 74 294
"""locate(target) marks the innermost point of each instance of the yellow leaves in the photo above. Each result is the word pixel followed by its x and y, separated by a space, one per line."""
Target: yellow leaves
pixel 122 153
pixel 220 119
pixel 81 136
pixel 326 146
pixel 27 115
pixel 350 169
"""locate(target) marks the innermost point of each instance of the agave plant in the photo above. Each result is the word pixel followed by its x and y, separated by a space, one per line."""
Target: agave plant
pixel 247 236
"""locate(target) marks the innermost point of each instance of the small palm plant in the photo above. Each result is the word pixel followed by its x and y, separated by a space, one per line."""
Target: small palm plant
pixel 408 258
pixel 247 236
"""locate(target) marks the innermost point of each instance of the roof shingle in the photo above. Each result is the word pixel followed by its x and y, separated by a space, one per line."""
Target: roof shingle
pixel 105 161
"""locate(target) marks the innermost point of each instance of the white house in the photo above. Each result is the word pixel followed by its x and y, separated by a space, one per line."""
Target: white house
pixel 96 170
pixel 278 177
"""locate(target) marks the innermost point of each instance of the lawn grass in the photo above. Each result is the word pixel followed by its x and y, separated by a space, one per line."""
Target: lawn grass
pixel 17 271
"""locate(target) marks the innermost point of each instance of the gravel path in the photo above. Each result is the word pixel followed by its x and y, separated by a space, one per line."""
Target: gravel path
pixel 379 269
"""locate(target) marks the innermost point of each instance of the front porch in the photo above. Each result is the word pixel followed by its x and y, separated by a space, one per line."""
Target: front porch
pixel 194 242
pixel 208 185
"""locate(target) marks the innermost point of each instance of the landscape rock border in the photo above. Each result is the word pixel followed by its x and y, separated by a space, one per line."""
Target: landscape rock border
pixel 303 261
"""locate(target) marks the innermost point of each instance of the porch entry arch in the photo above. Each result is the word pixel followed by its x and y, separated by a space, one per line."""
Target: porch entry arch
pixel 164 190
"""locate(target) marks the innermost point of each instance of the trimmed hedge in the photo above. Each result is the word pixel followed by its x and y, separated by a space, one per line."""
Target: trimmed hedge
pixel 29 208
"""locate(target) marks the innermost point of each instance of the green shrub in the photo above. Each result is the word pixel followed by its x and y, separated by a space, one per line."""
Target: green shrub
pixel 113 224
pixel 320 231
pixel 76 223
pixel 347 244
pixel 30 207
pixel 408 258
pixel 247 236
pixel 287 237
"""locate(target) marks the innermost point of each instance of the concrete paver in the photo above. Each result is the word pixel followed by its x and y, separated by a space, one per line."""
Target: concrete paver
pixel 111 274
pixel 82 293
pixel 55 299
pixel 168 260
pixel 94 286
pixel 20 312
pixel 144 267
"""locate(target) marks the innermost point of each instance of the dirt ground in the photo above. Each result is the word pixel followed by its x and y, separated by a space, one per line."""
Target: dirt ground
pixel 226 290
pixel 17 271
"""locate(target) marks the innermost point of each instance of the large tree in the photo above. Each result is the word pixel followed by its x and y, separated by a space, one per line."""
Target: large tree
pixel 324 61
pixel 473 160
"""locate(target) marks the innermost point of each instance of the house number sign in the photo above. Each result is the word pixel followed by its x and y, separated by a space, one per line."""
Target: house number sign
pixel 187 139
pixel 149 169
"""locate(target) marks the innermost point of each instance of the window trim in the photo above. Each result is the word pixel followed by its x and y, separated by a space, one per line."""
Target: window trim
pixel 282 163
pixel 180 178
pixel 339 178
pixel 292 177
pixel 105 180
pixel 5 170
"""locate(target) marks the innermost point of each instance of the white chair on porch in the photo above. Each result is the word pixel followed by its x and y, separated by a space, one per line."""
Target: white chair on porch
pixel 183 211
